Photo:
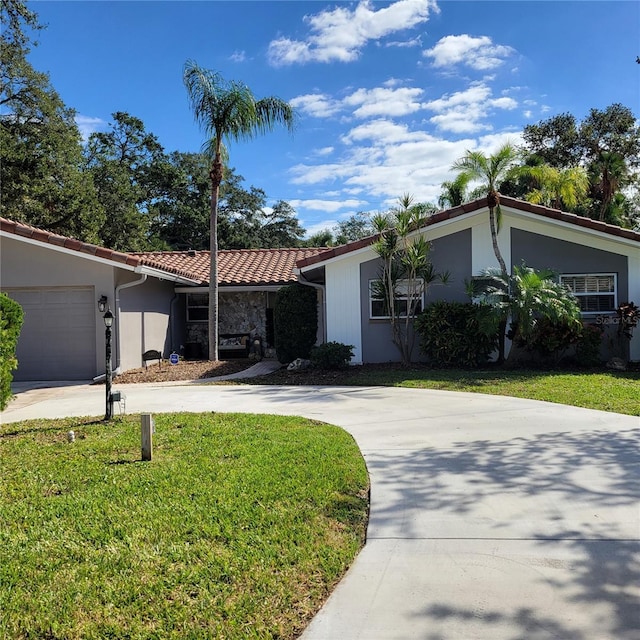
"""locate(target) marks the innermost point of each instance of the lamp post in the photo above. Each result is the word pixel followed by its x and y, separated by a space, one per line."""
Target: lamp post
pixel 108 323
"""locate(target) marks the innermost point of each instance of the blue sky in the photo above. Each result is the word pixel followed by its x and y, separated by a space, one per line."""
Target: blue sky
pixel 389 94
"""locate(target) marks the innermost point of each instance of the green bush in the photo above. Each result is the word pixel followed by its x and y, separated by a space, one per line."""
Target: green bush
pixel 457 334
pixel 549 340
pixel 588 346
pixel 296 322
pixel 10 324
pixel 332 355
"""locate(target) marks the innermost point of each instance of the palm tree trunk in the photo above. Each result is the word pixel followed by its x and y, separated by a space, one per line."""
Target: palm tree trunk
pixel 494 241
pixel 216 181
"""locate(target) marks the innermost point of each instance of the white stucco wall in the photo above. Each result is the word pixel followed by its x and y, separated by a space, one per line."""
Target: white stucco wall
pixel 343 301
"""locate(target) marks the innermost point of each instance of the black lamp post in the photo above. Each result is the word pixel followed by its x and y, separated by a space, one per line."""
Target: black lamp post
pixel 108 323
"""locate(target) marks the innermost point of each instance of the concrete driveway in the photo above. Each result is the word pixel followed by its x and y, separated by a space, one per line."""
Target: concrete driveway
pixel 491 517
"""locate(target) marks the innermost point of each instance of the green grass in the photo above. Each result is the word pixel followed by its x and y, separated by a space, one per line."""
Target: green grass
pixel 616 392
pixel 238 528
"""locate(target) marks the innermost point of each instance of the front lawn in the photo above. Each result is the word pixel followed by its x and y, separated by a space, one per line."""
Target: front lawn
pixel 604 390
pixel 238 528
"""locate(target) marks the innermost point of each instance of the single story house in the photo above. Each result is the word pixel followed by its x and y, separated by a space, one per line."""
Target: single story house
pixel 599 262
pixel 159 300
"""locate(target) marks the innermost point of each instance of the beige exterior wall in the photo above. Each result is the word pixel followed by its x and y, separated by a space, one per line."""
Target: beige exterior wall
pixel 24 265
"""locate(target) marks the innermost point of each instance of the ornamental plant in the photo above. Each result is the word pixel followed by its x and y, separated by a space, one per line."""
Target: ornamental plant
pixel 11 318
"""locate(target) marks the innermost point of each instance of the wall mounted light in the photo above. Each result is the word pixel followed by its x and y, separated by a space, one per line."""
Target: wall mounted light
pixel 102 304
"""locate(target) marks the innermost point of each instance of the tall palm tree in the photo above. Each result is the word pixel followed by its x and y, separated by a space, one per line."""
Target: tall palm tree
pixel 491 170
pixel 226 111
pixel 608 174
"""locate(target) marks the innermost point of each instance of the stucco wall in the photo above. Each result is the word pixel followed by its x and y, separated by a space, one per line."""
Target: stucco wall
pixel 448 253
pixel 24 264
pixel 144 321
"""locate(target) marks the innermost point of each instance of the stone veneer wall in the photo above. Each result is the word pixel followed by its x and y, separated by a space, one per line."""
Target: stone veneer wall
pixel 237 313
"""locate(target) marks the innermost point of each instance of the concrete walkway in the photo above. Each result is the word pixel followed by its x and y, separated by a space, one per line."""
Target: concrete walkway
pixel 491 518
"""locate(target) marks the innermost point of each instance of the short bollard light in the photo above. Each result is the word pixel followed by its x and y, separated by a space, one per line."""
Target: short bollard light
pixel 147 429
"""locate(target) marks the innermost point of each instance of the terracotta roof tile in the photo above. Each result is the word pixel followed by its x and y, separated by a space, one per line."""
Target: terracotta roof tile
pixel 236 267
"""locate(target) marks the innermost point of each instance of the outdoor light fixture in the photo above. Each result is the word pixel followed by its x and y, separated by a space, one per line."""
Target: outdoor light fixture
pixel 102 304
pixel 108 323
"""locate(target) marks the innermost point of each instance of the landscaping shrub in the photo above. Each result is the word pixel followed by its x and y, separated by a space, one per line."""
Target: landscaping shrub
pixel 588 346
pixel 332 355
pixel 296 322
pixel 10 325
pixel 457 333
pixel 548 341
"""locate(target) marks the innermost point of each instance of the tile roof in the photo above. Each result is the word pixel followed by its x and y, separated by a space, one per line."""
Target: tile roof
pixel 468 207
pixel 23 230
pixel 236 267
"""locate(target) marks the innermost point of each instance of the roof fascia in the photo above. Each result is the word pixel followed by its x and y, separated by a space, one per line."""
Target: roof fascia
pixel 69 252
pixel 142 269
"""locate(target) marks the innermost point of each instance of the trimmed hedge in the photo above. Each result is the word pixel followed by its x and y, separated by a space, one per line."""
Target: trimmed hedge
pixel 457 334
pixel 296 322
pixel 332 355
pixel 11 318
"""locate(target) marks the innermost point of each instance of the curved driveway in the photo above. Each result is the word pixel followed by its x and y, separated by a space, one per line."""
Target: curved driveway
pixel 491 517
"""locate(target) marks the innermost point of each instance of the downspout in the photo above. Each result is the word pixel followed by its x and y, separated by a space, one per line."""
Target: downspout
pixel 321 288
pixel 172 322
pixel 119 288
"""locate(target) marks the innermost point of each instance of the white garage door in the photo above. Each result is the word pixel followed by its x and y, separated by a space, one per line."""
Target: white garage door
pixel 58 338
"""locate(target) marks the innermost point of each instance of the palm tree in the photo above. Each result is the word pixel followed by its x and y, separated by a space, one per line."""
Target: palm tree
pixel 608 174
pixel 557 188
pixel 529 297
pixel 491 170
pixel 226 111
pixel 454 192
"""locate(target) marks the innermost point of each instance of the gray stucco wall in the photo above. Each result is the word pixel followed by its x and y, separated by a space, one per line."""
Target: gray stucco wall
pixel 451 253
pixel 145 321
pixel 541 252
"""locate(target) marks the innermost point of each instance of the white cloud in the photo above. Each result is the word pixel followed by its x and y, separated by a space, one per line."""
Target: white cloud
pixel 317 105
pixel 328 206
pixel 465 111
pixel 325 151
pixel 88 125
pixel 479 53
pixel 384 101
pixel 339 34
pixel 238 56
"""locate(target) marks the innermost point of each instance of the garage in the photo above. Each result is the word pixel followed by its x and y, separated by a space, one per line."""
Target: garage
pixel 58 338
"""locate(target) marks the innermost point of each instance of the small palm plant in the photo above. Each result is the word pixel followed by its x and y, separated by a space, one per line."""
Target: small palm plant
pixel 530 298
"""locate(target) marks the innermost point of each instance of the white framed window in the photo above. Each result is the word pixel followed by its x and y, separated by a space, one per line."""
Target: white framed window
pixel 596 292
pixel 197 307
pixel 378 306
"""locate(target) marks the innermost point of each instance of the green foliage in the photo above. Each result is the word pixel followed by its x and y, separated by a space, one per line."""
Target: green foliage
pixel 11 317
pixel 549 339
pixel 240 526
pixel 588 346
pixel 405 266
pixel 296 322
pixel 332 355
pixel 457 334
pixel 353 228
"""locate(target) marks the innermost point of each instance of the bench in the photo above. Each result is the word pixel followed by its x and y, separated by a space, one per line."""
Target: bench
pixel 234 345
pixel 151 354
